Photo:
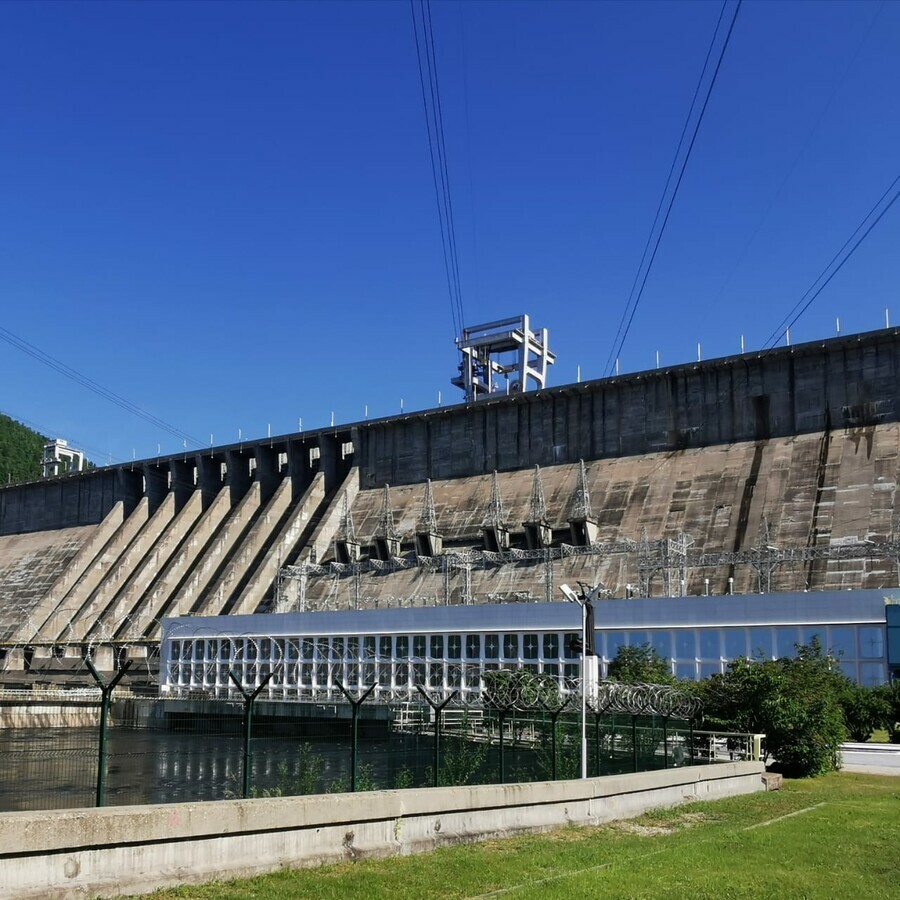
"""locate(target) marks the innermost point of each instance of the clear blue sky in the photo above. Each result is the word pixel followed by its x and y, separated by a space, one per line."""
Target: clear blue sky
pixel 224 211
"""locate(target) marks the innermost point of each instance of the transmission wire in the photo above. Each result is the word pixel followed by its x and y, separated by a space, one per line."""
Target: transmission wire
pixel 787 321
pixel 74 375
pixel 678 182
pixel 662 197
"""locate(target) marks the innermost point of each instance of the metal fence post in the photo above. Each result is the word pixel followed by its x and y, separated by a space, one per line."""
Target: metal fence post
pixel 249 700
pixel 691 738
pixel 634 749
pixel 555 713
pixel 665 742
pixel 501 713
pixel 597 741
pixel 354 728
pixel 438 709
pixel 105 699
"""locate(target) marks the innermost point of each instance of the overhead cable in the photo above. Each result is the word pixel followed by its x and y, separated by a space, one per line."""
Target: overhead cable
pixel 437 148
pixel 74 375
pixel 634 299
pixel 836 263
pixel 45 432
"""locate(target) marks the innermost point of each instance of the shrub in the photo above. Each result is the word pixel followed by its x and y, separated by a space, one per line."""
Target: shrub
pixel 640 665
pixel 795 702
pixel 890 696
pixel 865 709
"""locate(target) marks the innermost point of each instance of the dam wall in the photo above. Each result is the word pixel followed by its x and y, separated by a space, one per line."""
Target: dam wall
pixel 848 383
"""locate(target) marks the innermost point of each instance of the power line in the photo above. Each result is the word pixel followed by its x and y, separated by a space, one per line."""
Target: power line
pixel 838 85
pixel 437 149
pixel 43 431
pixel 687 121
pixel 74 375
pixel 800 307
pixel 442 148
pixel 617 349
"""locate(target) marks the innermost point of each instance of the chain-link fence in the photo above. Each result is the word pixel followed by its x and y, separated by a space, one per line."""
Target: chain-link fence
pixel 199 747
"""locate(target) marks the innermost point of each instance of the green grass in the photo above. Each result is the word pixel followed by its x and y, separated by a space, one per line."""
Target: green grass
pixel 835 836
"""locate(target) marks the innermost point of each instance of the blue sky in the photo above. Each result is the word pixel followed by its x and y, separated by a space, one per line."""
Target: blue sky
pixel 224 211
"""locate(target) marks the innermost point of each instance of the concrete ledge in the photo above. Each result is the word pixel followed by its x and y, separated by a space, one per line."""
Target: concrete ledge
pixel 103 852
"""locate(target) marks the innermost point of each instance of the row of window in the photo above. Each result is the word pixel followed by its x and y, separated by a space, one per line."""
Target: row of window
pixel 848 642
pixel 294 677
pixel 325 676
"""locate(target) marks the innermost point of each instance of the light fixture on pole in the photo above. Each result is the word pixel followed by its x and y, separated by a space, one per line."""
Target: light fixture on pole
pixel 588 657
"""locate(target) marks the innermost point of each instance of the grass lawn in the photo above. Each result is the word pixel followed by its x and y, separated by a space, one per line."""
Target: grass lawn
pixel 836 836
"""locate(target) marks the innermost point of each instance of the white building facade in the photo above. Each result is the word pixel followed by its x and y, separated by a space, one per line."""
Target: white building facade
pixel 448 648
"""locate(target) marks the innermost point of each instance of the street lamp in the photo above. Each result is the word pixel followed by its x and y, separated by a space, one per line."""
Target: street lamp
pixel 588 657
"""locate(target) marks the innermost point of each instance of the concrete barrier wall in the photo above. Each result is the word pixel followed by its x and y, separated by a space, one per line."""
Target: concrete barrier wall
pixel 104 852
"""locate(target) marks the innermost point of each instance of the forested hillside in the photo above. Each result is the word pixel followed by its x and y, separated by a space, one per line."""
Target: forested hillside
pixel 21 450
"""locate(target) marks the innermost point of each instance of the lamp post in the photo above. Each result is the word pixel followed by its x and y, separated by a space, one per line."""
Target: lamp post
pixel 572 597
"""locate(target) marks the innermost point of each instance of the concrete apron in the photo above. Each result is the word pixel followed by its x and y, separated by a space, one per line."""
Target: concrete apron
pixel 134 849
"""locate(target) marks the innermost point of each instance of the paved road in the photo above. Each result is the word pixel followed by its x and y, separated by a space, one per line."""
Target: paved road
pixel 874 759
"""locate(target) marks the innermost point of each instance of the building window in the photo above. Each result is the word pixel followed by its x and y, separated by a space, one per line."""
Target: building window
pixel 511 646
pixel 871 674
pixel 661 642
pixel 551 646
pixel 841 642
pixel 491 646
pixel 473 646
pixel 384 647
pixel 454 646
pixel 369 648
pixel 710 645
pixel 402 646
pixel 637 638
pixel 337 648
pixel 686 670
pixel 871 642
pixel 418 646
pixel 735 640
pixel 761 645
pixel 530 646
pixel 785 641
pixel 685 647
pixel 437 646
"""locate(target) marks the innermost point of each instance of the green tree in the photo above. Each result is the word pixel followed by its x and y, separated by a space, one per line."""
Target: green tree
pixel 865 709
pixel 890 696
pixel 640 664
pixel 795 702
pixel 21 451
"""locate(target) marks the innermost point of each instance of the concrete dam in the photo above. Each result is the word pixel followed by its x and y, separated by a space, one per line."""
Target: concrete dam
pixel 768 471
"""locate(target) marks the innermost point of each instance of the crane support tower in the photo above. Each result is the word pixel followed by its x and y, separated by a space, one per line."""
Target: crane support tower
pixel 503 351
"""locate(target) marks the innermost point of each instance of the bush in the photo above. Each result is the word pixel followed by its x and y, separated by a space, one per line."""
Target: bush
pixel 890 696
pixel 640 665
pixel 865 709
pixel 795 702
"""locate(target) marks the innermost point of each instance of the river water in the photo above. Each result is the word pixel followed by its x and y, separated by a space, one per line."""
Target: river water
pixel 42 768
